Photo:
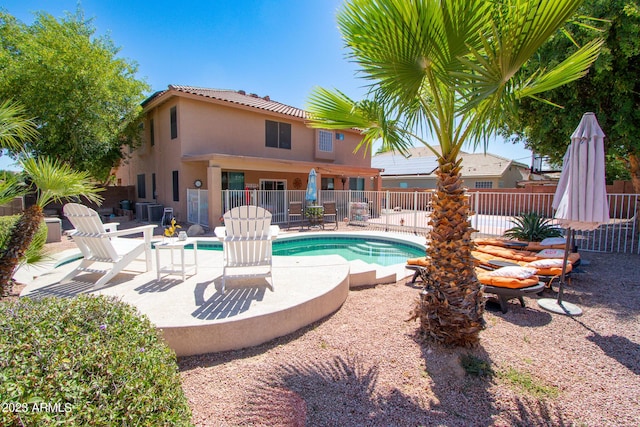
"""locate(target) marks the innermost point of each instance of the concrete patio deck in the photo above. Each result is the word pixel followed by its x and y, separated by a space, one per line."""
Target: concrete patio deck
pixel 194 316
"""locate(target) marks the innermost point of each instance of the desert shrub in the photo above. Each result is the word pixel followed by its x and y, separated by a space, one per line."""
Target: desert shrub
pixel 532 227
pixel 86 361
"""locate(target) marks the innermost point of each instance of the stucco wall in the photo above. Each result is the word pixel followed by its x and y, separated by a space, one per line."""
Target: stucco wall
pixel 213 134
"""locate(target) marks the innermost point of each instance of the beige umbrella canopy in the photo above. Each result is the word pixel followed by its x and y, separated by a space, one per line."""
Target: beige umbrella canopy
pixel 581 197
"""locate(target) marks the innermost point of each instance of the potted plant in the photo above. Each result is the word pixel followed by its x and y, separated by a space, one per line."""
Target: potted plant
pixel 314 214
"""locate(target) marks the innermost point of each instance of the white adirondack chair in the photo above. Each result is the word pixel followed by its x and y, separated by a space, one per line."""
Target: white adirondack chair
pixel 247 238
pixel 101 243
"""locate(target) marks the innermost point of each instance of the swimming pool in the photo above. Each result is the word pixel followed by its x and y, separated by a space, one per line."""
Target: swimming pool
pixel 370 249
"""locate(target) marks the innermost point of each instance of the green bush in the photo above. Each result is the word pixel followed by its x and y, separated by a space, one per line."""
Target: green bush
pixel 532 227
pixel 86 361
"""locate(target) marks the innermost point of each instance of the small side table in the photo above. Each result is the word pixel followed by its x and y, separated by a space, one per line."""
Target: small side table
pixel 174 267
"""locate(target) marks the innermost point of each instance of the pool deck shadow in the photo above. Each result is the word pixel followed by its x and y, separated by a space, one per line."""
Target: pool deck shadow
pixel 195 317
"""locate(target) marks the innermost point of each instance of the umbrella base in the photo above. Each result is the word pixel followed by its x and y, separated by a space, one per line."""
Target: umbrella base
pixel 565 308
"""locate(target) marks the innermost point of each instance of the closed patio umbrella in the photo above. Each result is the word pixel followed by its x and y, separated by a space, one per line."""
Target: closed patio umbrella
pixel 312 190
pixel 580 200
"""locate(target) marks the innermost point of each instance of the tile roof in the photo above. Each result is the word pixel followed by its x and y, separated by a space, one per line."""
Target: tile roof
pixel 239 97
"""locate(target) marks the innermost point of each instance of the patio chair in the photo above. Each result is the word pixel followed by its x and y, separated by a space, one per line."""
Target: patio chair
pixel 247 238
pixel 295 214
pixel 101 243
pixel 330 214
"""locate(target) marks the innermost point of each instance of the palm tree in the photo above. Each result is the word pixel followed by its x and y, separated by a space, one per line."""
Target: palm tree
pixel 452 69
pixel 52 181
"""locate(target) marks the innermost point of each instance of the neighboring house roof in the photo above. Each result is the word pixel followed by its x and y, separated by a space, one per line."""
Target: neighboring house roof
pixel 232 96
pixel 479 164
pixel 422 161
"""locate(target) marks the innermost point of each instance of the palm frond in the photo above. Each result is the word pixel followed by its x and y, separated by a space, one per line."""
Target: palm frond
pixel 15 128
pixel 11 186
pixel 398 44
pixel 57 181
pixel 518 31
pixel 572 68
pixel 335 110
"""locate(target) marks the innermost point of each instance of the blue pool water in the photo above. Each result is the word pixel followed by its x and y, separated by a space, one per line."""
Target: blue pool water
pixel 368 249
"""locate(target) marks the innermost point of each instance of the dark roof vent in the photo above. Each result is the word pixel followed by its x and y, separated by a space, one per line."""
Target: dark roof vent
pixel 241 92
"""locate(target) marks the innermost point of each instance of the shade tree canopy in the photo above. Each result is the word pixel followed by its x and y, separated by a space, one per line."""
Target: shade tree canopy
pixel 611 90
pixel 84 99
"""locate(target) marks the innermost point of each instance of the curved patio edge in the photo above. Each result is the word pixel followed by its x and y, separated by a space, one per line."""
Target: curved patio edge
pixel 195 317
pixel 255 330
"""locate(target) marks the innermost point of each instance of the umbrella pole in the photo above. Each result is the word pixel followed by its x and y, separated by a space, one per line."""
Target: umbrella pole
pixel 567 248
pixel 557 305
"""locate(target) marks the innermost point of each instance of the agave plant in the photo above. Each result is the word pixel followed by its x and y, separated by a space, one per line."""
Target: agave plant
pixel 532 227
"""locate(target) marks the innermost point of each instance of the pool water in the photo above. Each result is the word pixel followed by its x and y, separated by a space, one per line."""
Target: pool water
pixel 370 250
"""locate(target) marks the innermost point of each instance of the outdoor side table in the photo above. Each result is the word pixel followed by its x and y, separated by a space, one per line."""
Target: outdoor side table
pixel 177 266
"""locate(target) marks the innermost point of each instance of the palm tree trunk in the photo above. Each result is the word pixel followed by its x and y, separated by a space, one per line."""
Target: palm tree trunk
pixel 451 305
pixel 19 240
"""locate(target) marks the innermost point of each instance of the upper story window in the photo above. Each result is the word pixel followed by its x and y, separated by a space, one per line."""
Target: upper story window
pixel 484 184
pixel 325 141
pixel 277 134
pixel 174 122
pixel 152 135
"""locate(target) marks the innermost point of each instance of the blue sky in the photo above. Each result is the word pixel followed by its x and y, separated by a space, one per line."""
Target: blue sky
pixel 280 48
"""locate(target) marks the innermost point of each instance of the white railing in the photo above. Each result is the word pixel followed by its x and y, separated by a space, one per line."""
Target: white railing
pixel 409 212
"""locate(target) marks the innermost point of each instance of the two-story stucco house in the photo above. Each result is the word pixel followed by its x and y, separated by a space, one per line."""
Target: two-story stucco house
pixel 224 139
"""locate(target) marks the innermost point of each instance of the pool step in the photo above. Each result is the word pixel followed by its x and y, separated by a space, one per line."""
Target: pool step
pixel 364 274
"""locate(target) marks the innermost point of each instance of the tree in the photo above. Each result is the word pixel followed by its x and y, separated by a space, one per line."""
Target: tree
pixel 14 129
pixel 84 100
pixel 52 181
pixel 451 68
pixel 611 90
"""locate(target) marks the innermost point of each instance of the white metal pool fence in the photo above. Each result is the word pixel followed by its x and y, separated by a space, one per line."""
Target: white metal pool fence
pixel 409 212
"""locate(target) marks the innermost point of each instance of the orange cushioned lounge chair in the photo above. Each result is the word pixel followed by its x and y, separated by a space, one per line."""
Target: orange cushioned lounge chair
pixel 503 287
pixel 547 261
pixel 510 282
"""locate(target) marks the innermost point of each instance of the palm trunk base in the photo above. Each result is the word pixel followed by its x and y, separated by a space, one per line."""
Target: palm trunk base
pixel 451 305
pixel 451 325
pixel 19 240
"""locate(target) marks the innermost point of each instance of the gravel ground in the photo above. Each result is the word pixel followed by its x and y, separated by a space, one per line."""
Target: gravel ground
pixel 364 366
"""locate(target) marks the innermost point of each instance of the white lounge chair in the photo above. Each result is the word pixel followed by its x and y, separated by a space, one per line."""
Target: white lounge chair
pixel 247 238
pixel 100 243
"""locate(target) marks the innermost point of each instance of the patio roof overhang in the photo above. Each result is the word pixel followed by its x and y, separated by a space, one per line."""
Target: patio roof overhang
pixel 246 163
